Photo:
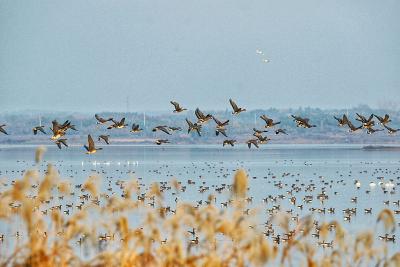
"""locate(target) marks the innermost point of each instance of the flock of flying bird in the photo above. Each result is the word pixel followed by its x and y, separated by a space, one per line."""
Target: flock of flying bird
pixel 59 130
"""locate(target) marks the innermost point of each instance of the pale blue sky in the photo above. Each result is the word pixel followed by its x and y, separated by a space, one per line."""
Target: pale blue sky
pixel 91 55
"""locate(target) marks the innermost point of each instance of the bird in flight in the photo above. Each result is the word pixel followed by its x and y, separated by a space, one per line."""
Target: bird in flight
pixel 303 122
pixel 91 148
pixel 236 109
pixel 135 128
pixel 101 120
pixel 352 128
pixel 342 121
pixel 177 107
pixel 281 131
pixel 118 124
pixel 391 130
pixel 61 141
pixel 253 142
pixel 193 127
pixel 258 132
pixel 2 129
pixel 162 128
pixel 105 138
pixel 161 141
pixel 230 142
pixel 269 122
pixel 201 118
pixel 39 128
pixel 383 120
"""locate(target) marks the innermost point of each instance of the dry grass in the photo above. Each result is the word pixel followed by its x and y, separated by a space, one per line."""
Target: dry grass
pixel 158 236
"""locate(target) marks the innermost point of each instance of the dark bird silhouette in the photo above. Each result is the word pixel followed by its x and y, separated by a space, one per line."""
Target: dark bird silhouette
pixel 253 142
pixel 230 142
pixel 281 131
pixel 174 129
pixel 60 142
pixel 177 107
pixel 391 130
pixel 135 128
pixel 105 138
pixel 269 122
pixel 236 109
pixel 91 148
pixel 363 119
pixel 2 129
pixel 162 128
pixel 302 122
pixel 101 120
pixel 219 123
pixel 39 128
pixel 371 130
pixel 342 121
pixel 258 132
pixel 352 128
pixel 220 131
pixel 194 127
pixel 161 141
pixel 263 139
pixel 201 118
pixel 383 121
pixel 118 124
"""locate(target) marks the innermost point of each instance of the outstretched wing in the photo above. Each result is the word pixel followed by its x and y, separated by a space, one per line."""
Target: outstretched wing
pixel 176 105
pixel 233 104
pixel 91 142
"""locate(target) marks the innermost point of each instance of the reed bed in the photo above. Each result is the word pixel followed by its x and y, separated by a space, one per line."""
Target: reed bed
pixel 138 229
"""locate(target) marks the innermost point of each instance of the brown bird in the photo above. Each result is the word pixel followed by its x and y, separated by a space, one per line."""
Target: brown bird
pixel 194 127
pixel 177 107
pixel 269 122
pixel 105 138
pixel 258 132
pixel 2 129
pixel 281 131
pixel 220 131
pixel 391 130
pixel 352 128
pixel 135 128
pixel 60 141
pixel 302 122
pixel 371 130
pixel 253 142
pixel 263 139
pixel 342 121
pixel 161 141
pixel 219 123
pixel 118 124
pixel 229 142
pixel 162 128
pixel 38 128
pixel 201 118
pixel 101 120
pixel 91 149
pixel 58 130
pixel 175 129
pixel 383 121
pixel 363 119
pixel 236 109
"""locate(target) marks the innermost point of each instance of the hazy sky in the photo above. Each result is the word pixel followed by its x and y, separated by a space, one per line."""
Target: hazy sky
pixel 92 55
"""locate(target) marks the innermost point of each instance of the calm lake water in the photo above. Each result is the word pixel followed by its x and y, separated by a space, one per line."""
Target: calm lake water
pixel 273 170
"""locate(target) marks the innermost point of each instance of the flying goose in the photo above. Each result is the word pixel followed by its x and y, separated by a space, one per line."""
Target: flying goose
pixel 281 131
pixel 229 142
pixel 263 139
pixel 177 107
pixel 352 128
pixel 371 130
pixel 101 120
pixel 363 119
pixel 220 131
pixel 91 149
pixel 2 129
pixel 105 138
pixel 342 121
pixel 57 129
pixel 174 129
pixel 219 123
pixel 391 130
pixel 60 142
pixel 135 128
pixel 194 127
pixel 269 122
pixel 302 122
pixel 163 128
pixel 38 128
pixel 258 132
pixel 201 118
pixel 253 142
pixel 236 109
pixel 384 120
pixel 161 141
pixel 118 124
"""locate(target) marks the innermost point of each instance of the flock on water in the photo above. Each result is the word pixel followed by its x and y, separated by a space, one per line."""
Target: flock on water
pixel 59 130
